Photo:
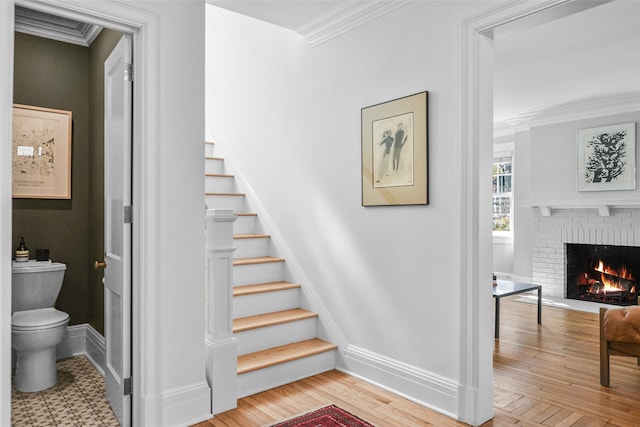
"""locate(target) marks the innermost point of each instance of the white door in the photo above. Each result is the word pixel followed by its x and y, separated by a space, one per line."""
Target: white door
pixel 117 229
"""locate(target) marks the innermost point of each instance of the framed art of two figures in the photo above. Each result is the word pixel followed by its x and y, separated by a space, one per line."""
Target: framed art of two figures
pixel 395 152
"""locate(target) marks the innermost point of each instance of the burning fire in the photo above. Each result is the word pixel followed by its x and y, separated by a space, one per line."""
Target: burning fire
pixel 610 278
pixel 623 272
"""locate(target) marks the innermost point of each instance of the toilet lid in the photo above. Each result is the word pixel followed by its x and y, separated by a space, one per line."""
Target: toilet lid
pixel 37 319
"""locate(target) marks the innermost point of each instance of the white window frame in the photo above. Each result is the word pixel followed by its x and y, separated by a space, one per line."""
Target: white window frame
pixel 505 150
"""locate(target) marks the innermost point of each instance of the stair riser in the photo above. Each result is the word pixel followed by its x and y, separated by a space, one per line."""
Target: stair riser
pixel 247 248
pixel 236 203
pixel 258 273
pixel 217 184
pixel 274 376
pixel 265 302
pixel 209 150
pixel 214 166
pixel 245 225
pixel 273 336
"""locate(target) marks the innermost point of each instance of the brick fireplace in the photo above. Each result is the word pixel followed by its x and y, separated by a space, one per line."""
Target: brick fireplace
pixel 552 233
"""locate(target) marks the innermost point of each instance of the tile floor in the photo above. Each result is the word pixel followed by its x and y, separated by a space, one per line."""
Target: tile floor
pixel 77 400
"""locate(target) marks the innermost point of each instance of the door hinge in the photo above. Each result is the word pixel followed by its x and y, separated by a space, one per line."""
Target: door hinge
pixel 128 72
pixel 128 214
pixel 127 386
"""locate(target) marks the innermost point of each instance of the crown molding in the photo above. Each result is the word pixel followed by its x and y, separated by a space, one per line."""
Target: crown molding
pixel 41 24
pixel 520 15
pixel 595 107
pixel 345 17
pixel 587 109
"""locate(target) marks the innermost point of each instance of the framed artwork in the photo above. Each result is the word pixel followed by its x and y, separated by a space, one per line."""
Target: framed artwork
pixel 395 152
pixel 41 153
pixel 607 158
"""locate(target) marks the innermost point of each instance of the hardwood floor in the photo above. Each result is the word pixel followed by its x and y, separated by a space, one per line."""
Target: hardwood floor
pixel 544 375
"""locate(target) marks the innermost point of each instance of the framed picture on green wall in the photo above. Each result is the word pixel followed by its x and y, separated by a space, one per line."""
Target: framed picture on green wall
pixel 41 157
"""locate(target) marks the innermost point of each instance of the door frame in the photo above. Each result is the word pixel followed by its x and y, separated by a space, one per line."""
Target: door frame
pixel 143 24
pixel 476 136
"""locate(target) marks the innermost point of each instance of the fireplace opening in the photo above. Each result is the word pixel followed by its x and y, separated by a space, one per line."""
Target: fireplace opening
pixel 603 273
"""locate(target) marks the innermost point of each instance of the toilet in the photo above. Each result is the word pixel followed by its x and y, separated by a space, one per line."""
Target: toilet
pixel 36 326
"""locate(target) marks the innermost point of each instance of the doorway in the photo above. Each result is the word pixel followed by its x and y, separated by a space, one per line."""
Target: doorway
pixel 72 229
pixel 69 222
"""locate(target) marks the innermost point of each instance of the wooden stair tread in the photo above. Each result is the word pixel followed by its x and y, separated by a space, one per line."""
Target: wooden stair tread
pixel 226 194
pixel 281 354
pixel 246 214
pixel 213 158
pixel 251 236
pixel 258 288
pixel 269 319
pixel 219 175
pixel 257 260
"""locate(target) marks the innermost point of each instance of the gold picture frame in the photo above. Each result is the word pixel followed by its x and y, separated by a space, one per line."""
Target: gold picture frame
pixel 395 152
pixel 41 155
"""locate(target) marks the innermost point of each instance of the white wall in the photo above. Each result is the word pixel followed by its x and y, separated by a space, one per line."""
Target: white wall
pixel 523 222
pixel 289 118
pixel 555 147
pixel 180 216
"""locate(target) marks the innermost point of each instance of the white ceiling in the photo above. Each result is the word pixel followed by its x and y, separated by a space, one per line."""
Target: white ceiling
pixel 591 54
pixel 285 13
pixel 588 55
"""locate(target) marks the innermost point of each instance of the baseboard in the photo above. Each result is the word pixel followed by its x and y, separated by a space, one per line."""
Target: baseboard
pixel 73 343
pixel 186 405
pixel 83 340
pixel 427 389
pixel 95 349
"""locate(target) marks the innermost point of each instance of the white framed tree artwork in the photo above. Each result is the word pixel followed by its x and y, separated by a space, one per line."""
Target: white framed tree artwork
pixel 607 158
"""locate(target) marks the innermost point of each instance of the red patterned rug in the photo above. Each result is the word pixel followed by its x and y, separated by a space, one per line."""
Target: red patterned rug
pixel 328 416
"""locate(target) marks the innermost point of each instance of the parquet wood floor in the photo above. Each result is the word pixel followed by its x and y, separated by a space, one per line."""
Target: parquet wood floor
pixel 544 375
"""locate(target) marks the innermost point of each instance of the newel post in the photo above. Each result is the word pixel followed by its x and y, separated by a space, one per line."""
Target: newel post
pixel 221 347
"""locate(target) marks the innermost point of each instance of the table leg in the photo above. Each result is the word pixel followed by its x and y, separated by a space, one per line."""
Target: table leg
pixel 497 326
pixel 540 305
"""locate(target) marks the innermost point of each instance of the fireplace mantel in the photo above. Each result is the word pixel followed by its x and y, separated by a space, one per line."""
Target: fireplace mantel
pixel 603 206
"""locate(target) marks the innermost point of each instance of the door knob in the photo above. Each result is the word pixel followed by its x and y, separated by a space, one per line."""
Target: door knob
pixel 98 264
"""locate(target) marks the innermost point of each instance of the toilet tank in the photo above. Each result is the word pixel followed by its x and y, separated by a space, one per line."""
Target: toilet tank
pixel 35 284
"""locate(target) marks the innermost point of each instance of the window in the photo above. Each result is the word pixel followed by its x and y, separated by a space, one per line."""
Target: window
pixel 502 194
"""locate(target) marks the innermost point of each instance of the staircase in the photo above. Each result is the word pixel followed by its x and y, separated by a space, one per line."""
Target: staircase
pixel 277 339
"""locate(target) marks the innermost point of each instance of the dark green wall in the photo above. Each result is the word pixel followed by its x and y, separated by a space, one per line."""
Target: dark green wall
pixel 68 77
